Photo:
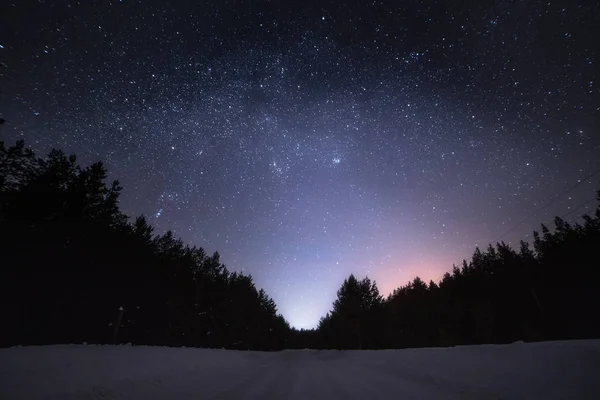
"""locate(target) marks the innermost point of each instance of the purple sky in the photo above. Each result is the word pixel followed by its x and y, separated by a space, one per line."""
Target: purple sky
pixel 306 143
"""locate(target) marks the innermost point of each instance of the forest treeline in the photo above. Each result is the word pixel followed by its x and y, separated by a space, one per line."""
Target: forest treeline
pixel 74 268
pixel 548 292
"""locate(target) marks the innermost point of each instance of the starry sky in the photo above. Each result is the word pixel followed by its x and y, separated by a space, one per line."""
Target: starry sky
pixel 307 140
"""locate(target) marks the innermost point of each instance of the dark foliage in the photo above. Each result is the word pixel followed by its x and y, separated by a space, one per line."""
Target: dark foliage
pixel 546 293
pixel 74 269
pixel 353 321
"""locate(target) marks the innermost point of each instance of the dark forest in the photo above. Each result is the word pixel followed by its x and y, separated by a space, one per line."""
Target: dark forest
pixel 75 269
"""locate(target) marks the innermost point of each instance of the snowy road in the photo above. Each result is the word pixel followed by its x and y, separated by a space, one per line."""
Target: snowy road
pixel 551 370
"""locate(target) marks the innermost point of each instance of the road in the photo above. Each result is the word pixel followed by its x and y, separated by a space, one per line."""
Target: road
pixel 551 370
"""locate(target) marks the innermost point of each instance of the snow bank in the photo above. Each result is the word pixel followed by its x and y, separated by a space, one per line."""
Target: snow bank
pixel 550 370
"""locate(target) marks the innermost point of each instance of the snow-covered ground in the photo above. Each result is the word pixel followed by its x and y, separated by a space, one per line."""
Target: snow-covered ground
pixel 550 370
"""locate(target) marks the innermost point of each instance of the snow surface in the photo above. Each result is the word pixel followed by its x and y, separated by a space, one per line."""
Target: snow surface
pixel 549 370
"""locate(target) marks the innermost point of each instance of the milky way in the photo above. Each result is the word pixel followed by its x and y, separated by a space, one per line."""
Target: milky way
pixel 308 141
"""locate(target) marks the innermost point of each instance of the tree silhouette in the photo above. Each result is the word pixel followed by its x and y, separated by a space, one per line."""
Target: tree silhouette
pixel 352 314
pixel 501 295
pixel 76 269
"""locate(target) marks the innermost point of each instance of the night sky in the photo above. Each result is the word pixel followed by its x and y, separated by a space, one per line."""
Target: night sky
pixel 306 140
